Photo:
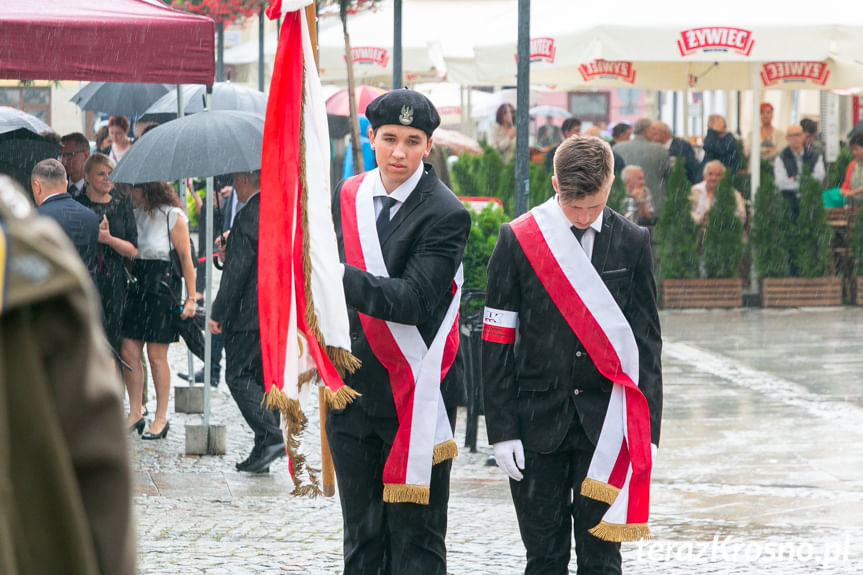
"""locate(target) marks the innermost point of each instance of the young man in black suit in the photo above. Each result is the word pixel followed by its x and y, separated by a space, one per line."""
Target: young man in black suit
pixel 401 234
pixel 48 182
pixel 235 313
pixel 570 336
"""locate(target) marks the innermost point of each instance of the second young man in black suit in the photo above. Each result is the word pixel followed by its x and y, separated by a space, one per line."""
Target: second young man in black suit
pixel 401 233
pixel 235 313
pixel 558 276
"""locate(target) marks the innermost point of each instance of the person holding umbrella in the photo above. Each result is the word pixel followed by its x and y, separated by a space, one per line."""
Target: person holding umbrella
pixel 154 300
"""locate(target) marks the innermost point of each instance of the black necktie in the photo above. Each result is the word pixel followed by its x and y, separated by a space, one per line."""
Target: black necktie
pixel 73 191
pixel 383 221
pixel 578 233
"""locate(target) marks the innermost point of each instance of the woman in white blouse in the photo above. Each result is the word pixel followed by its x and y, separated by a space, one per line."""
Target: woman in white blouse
pixel 154 301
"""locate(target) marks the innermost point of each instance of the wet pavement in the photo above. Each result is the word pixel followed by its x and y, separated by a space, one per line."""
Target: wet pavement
pixel 758 472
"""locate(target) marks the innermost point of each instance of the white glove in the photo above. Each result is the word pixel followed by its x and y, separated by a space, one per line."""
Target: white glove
pixel 653 449
pixel 509 456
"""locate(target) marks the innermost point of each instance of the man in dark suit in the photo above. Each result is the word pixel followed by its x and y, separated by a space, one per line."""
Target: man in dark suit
pixel 48 182
pixel 546 398
pixel 422 230
pixel 660 132
pixel 73 155
pixel 235 312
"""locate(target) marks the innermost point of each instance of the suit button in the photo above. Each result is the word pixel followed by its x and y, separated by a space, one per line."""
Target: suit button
pixel 576 392
pixel 578 354
pixel 355 336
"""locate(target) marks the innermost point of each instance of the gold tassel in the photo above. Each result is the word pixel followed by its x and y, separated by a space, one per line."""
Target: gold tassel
pixel 400 493
pixel 614 532
pixel 343 359
pixel 276 399
pixel 341 398
pixel 599 490
pixel 306 377
pixel 443 451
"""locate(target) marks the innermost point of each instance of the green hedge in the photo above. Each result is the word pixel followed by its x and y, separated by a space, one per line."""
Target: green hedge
pixel 676 233
pixel 723 235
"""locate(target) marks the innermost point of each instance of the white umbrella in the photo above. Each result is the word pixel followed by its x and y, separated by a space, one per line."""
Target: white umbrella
pixel 553 111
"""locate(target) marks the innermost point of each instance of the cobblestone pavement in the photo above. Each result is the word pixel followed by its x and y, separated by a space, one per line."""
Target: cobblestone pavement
pixel 758 471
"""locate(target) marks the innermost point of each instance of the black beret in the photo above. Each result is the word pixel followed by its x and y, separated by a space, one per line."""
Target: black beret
pixel 405 108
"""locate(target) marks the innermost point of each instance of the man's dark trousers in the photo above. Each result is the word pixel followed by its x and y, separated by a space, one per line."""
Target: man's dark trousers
pixel 244 373
pixel 546 498
pixel 360 444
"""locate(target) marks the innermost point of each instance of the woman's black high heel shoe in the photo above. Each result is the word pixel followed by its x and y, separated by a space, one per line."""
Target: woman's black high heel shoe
pixel 138 426
pixel 161 435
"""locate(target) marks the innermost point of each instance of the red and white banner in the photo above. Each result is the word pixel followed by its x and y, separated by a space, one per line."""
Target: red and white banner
pixel 370 55
pixel 424 436
pixel 619 472
pixel 541 50
pixel 775 72
pixel 300 296
pixel 715 39
pixel 620 70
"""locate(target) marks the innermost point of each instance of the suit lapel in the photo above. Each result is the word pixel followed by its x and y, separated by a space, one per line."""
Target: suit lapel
pixel 602 241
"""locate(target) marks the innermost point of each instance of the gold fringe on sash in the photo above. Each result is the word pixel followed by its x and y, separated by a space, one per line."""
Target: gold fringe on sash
pixel 600 491
pixel 443 451
pixel 342 397
pixel 614 532
pixel 400 493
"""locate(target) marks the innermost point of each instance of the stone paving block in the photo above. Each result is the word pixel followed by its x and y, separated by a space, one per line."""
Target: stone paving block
pixel 206 439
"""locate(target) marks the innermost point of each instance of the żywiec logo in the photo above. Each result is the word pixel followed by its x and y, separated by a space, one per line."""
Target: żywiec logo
pixel 370 55
pixel 715 39
pixel 773 72
pixel 541 49
pixel 608 69
pixel 449 110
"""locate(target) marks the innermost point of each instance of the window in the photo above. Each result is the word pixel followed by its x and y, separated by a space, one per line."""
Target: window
pixel 35 101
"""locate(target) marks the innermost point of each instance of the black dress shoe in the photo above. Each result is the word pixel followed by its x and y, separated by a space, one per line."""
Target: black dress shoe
pixel 268 455
pixel 138 426
pixel 161 435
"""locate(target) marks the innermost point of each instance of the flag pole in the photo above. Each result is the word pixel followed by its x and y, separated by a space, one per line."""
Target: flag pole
pixel 328 481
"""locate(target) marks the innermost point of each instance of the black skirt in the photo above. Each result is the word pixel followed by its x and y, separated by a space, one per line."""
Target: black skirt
pixel 152 307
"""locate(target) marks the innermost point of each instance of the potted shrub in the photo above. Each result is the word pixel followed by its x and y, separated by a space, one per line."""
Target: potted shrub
pixel 857 250
pixel 722 249
pixel 808 241
pixel 676 238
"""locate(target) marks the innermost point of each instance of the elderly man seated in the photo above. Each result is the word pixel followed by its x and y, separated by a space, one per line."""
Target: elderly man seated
pixel 788 167
pixel 638 203
pixel 702 194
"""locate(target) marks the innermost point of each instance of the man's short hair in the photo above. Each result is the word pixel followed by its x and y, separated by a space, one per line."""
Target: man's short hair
pixel 641 126
pixel 569 124
pixel 809 126
pixel 661 128
pixel 254 178
pixel 50 171
pixel 627 172
pixel 78 139
pixel 856 140
pixel 583 166
pixel 620 129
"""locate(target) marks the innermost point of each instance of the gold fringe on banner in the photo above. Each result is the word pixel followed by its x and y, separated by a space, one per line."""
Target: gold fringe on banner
pixel 343 360
pixel 443 451
pixel 341 398
pixel 400 493
pixel 599 490
pixel 614 532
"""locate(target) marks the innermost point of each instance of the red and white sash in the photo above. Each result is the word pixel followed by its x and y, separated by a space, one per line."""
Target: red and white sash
pixel 424 436
pixel 619 472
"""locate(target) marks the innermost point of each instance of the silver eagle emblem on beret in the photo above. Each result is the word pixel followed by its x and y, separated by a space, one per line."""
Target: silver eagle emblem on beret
pixel 406 118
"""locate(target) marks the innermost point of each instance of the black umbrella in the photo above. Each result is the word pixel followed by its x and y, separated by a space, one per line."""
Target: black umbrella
pixel 13 118
pixel 226 96
pixel 211 143
pixel 119 98
pixel 21 149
